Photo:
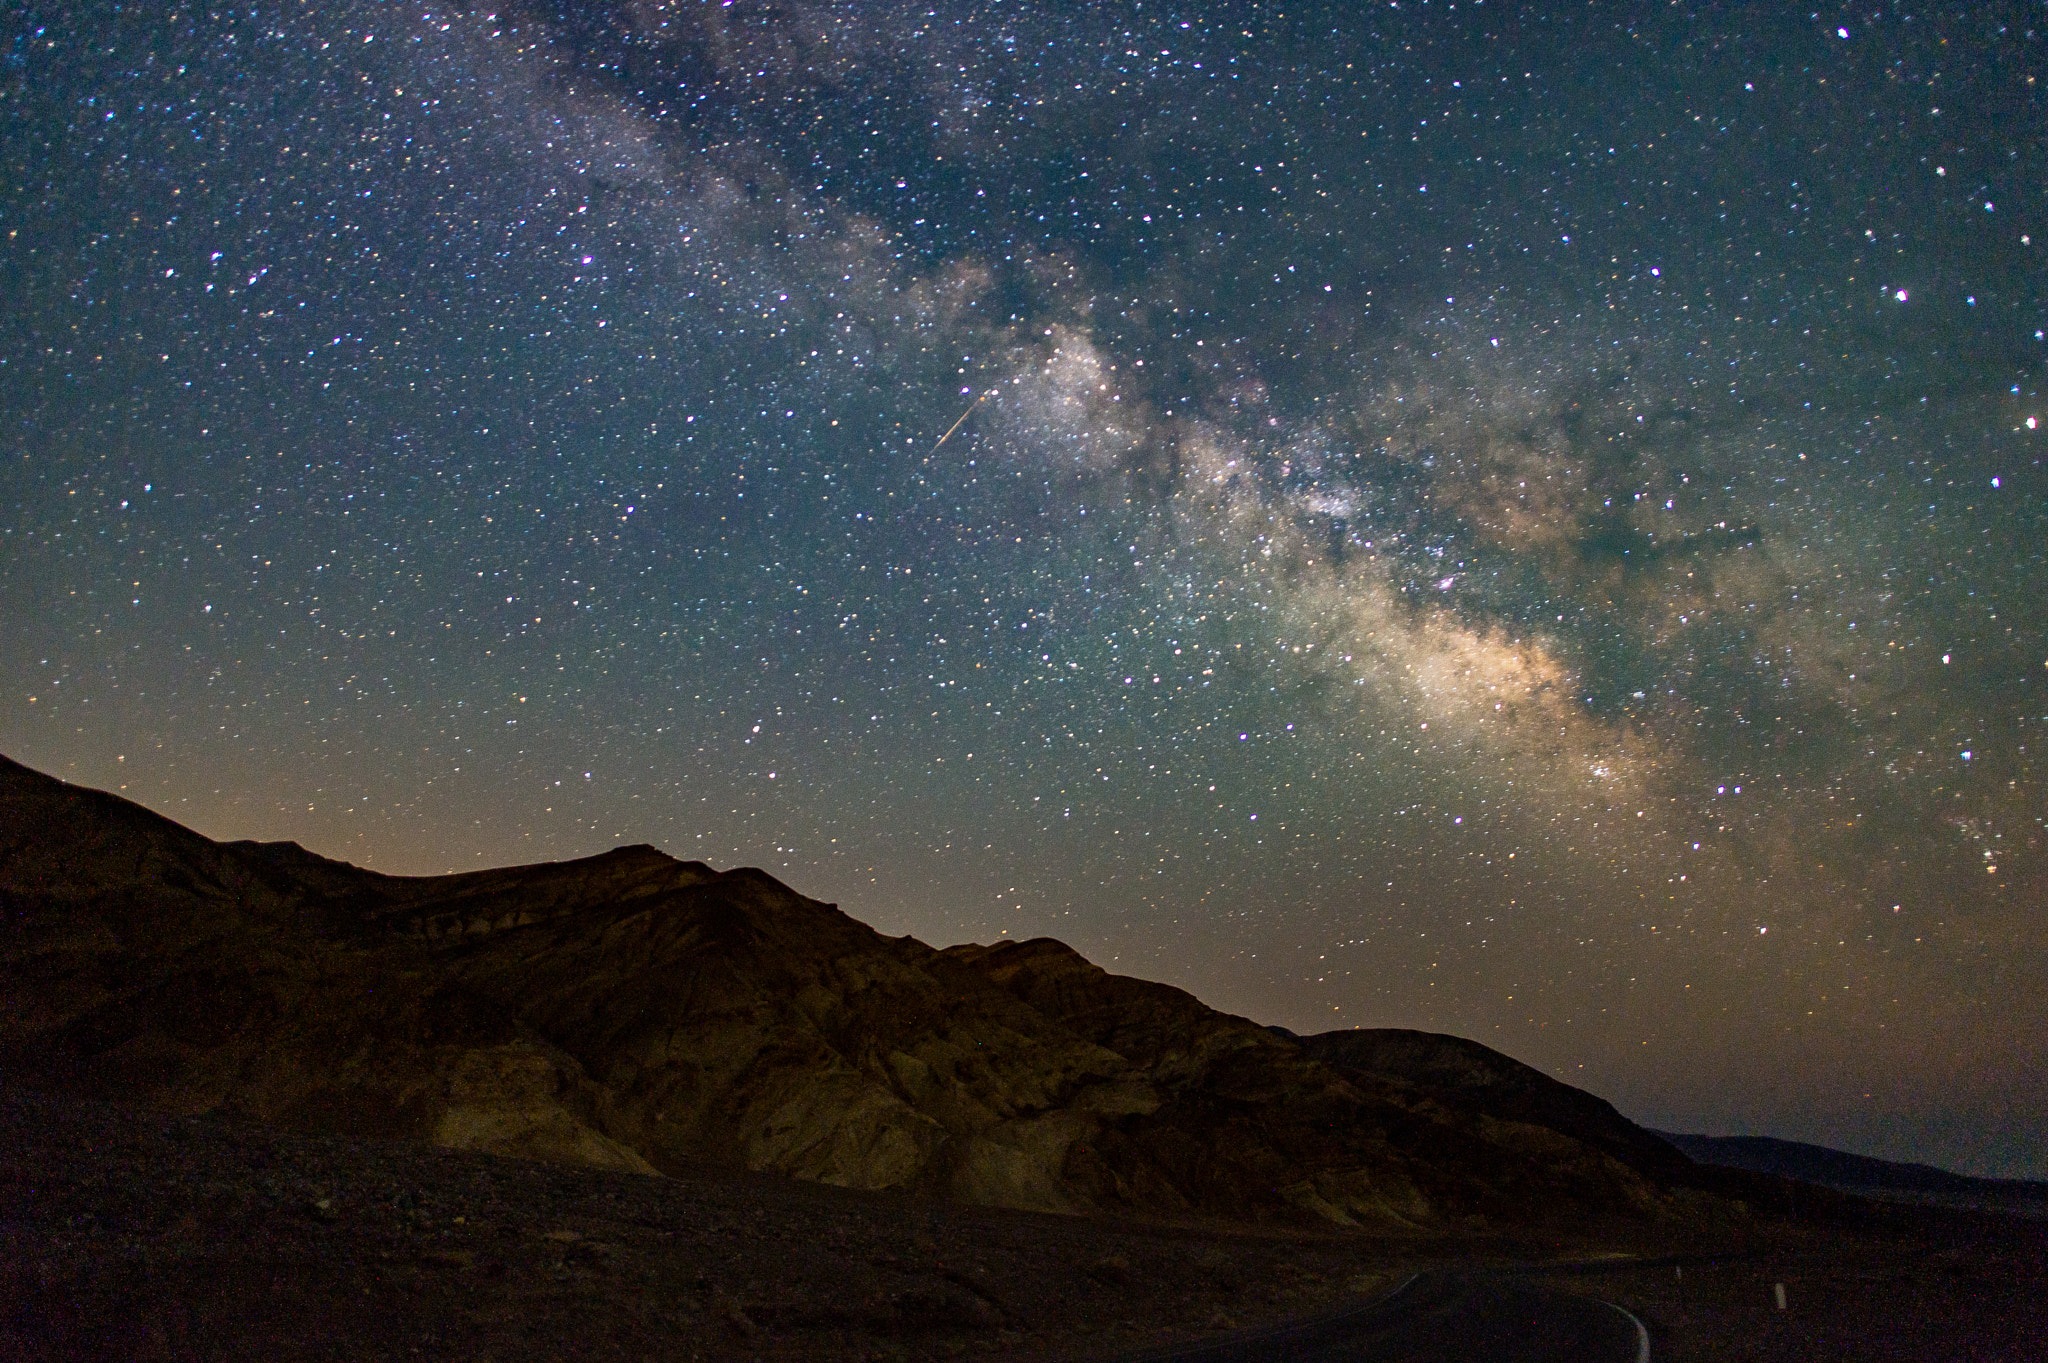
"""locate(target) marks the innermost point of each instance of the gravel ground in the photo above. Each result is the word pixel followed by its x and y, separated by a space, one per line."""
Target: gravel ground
pixel 140 1236
pixel 143 1236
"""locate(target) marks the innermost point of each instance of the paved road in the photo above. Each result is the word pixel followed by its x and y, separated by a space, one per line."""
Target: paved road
pixel 1438 1317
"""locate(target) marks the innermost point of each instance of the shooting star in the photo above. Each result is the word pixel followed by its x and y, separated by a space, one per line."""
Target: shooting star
pixel 962 421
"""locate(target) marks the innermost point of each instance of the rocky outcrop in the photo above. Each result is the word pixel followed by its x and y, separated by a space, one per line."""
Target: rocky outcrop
pixel 634 1011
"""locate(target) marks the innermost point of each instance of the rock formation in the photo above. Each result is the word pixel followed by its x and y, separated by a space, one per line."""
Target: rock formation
pixel 633 1011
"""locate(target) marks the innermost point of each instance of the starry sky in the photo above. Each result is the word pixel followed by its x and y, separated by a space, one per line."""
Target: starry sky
pixel 1521 521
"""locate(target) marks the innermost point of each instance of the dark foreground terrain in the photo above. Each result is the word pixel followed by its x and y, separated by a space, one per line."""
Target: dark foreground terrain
pixel 131 1235
pixel 126 1235
pixel 257 1103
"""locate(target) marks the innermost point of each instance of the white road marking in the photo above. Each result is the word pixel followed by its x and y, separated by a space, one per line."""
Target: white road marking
pixel 1642 1332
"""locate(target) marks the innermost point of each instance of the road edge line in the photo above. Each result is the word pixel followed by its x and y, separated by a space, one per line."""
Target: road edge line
pixel 1642 1331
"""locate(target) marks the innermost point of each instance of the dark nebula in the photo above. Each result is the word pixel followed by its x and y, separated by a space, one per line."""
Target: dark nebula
pixel 1468 517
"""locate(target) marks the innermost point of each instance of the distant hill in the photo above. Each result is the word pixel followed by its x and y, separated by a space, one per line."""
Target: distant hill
pixel 633 1011
pixel 1470 1077
pixel 1839 1169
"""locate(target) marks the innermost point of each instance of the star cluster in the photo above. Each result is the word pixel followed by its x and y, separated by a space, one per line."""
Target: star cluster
pixel 1528 523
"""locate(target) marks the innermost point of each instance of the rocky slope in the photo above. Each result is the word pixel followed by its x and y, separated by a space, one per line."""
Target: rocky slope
pixel 1469 1077
pixel 636 1012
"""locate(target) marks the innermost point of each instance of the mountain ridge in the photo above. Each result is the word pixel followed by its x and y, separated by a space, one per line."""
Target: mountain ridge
pixel 633 1011
pixel 1865 1174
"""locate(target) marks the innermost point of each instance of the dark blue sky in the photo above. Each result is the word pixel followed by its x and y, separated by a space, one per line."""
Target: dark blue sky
pixel 1504 523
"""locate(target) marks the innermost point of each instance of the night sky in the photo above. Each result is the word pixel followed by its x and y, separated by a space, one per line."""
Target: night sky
pixel 1504 522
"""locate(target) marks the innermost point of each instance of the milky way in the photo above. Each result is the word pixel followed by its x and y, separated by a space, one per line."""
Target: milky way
pixel 1400 515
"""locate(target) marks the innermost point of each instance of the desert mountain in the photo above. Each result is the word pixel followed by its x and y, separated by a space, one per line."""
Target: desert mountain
pixel 633 1011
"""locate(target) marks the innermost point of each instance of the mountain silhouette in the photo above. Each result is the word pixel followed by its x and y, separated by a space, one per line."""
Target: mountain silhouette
pixel 633 1011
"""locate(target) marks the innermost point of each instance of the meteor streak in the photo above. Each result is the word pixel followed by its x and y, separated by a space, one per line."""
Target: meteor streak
pixel 962 421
